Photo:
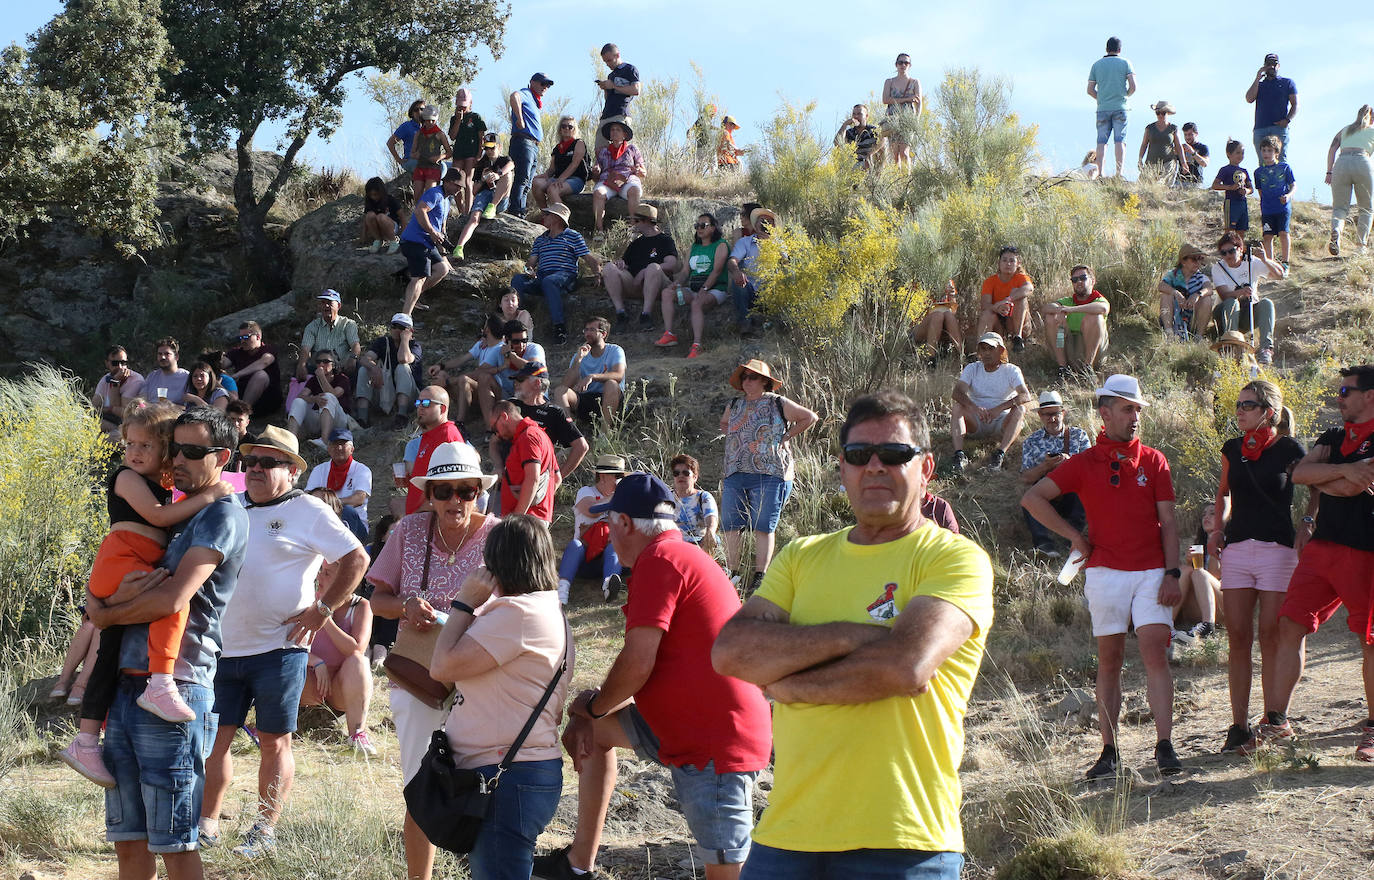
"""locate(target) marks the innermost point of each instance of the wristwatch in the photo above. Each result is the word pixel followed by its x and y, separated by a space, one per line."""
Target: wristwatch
pixel 1173 572
pixel 456 605
pixel 323 609
pixel 1309 520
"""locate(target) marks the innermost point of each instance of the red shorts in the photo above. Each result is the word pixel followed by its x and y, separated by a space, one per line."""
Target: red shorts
pixel 1330 575
pixel 426 174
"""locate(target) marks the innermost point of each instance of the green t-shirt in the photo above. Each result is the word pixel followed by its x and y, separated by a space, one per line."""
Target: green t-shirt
pixel 467 140
pixel 1110 72
pixel 702 258
pixel 1073 322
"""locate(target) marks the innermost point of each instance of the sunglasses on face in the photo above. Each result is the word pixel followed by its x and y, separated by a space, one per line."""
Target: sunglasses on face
pixel 324 363
pixel 1078 279
pixel 1226 252
pixel 245 338
pixel 701 225
pixel 191 451
pixel 860 454
pixel 682 473
pixel 445 491
pixel 266 462
pixel 519 340
pixel 1347 390
pixel 119 363
pixel 424 402
pixel 1248 405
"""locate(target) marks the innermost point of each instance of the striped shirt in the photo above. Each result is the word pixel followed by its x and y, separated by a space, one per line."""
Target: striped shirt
pixel 559 253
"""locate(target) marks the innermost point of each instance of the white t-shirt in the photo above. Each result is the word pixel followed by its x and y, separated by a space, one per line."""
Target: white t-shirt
pixel 1246 273
pixel 991 389
pixel 359 479
pixel 580 522
pixel 287 543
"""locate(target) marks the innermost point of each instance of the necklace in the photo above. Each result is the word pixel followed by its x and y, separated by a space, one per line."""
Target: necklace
pixel 452 551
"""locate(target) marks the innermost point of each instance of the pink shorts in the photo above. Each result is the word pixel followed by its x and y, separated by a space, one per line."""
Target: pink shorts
pixel 1257 565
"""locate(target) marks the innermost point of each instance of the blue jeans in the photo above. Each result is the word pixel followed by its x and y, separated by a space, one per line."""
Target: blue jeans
pixel 767 863
pixel 526 799
pixel 1230 314
pixel 524 153
pixel 271 682
pixel 1278 131
pixel 553 287
pixel 576 555
pixel 159 768
pixel 753 501
pixel 743 298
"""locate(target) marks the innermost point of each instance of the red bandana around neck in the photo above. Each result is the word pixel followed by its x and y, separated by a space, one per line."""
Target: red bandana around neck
pixel 566 144
pixel 1116 450
pixel 618 150
pixel 338 475
pixel 538 101
pixel 1356 433
pixel 1253 444
pixel 1091 295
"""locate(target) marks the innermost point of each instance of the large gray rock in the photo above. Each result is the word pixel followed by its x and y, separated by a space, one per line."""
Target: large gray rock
pixel 271 314
pixel 675 213
pixel 504 235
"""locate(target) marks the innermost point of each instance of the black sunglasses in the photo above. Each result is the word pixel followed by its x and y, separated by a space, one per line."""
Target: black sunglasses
pixel 1226 252
pixel 445 491
pixel 1078 278
pixel 191 451
pixel 119 363
pixel 266 462
pixel 860 454
pixel 424 402
pixel 701 225
pixel 245 338
pixel 1347 390
pixel 1248 405
pixel 677 473
pixel 521 340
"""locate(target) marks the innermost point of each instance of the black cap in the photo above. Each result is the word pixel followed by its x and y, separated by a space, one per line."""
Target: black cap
pixel 541 79
pixel 531 368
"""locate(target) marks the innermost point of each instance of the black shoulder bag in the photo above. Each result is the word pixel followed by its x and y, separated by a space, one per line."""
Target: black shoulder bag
pixel 448 804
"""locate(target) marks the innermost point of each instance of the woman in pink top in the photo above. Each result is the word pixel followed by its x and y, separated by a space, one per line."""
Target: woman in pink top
pixel 340 676
pixel 504 642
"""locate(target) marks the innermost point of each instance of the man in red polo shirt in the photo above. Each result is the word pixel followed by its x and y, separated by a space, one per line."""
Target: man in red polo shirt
pixel 531 474
pixel 431 412
pixel 1132 560
pixel 662 698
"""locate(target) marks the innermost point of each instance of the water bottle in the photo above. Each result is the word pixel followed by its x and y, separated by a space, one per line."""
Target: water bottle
pixel 1071 567
pixel 1059 337
pixel 681 300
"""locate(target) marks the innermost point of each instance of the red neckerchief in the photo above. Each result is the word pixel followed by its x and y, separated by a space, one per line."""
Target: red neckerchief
pixel 1253 444
pixel 617 150
pixel 1115 450
pixel 1356 433
pixel 538 101
pixel 1092 295
pixel 566 144
pixel 338 474
pixel 429 129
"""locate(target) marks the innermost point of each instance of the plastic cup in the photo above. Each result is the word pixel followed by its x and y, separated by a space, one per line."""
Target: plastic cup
pixel 1071 567
pixel 1196 555
pixel 398 470
pixel 162 394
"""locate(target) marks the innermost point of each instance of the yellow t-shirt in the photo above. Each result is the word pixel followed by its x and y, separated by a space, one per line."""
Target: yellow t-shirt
pixel 880 775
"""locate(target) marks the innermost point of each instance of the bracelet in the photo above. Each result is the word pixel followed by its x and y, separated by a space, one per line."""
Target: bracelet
pixel 317 664
pixel 591 711
pixel 456 605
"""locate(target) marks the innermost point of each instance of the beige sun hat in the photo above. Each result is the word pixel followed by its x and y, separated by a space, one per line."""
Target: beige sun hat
pixel 280 439
pixel 1165 107
pixel 1233 338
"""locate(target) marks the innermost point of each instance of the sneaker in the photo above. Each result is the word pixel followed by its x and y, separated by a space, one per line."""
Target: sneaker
pixel 622 322
pixel 1334 248
pixel 260 840
pixel 1266 732
pixel 78 693
pixel 207 839
pixel 1364 748
pixel 375 246
pixel 58 691
pixel 162 699
pixel 457 252
pixel 555 866
pixel 390 249
pixel 1049 551
pixel 361 743
pixel 646 322
pixel 87 761
pixel 319 441
pixel 1240 740
pixel 611 588
pixel 560 334
pixel 1018 344
pixel 489 212
pixel 1203 630
pixel 1106 765
pixel 1166 759
pixel 667 339
pixel 960 460
pixel 996 460
pixel 1265 356
pixel 695 350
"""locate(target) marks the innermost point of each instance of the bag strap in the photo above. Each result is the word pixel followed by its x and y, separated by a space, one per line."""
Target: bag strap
pixel 429 552
pixel 538 708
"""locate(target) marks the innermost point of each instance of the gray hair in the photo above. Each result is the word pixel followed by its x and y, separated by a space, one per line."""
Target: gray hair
pixel 652 526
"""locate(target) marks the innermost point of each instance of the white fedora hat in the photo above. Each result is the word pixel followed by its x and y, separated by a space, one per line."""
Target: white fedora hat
pixel 1123 386
pixel 454 461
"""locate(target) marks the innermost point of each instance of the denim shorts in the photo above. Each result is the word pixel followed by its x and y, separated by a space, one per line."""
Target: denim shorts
pixel 753 501
pixel 767 863
pixel 574 184
pixel 526 799
pixel 1238 215
pixel 272 682
pixel 719 807
pixel 159 768
pixel 419 258
pixel 1111 123
pixel 483 198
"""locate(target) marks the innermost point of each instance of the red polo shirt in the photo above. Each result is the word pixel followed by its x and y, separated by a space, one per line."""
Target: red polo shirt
pixel 531 444
pixel 1123 520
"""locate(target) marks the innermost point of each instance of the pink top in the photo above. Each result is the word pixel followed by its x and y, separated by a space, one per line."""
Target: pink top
pixel 526 635
pixel 323 646
pixel 401 564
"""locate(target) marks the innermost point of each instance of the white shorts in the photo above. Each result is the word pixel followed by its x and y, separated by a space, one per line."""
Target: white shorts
pixel 1117 599
pixel 982 429
pixel 632 182
pixel 415 725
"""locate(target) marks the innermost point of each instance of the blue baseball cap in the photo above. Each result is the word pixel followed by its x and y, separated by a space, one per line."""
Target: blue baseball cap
pixel 339 435
pixel 640 496
pixel 330 294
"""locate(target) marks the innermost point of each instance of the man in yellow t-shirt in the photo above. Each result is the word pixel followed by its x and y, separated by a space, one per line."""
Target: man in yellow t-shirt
pixel 868 640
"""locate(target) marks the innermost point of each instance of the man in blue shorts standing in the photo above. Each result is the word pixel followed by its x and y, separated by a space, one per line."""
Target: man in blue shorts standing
pixel 423 235
pixel 1111 81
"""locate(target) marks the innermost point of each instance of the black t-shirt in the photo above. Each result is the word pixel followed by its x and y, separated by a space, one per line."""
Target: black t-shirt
pixel 1347 521
pixel 387 205
pixel 1262 492
pixel 553 419
pixel 624 75
pixel 648 249
pixel 1194 171
pixel 121 510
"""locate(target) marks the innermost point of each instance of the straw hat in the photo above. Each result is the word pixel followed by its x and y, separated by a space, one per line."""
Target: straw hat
pixel 753 365
pixel 1233 338
pixel 1164 107
pixel 610 464
pixel 1049 400
pixel 559 210
pixel 454 461
pixel 760 213
pixel 280 439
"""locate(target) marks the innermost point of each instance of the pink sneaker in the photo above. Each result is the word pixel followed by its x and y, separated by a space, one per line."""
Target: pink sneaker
pixel 362 743
pixel 161 698
pixel 87 761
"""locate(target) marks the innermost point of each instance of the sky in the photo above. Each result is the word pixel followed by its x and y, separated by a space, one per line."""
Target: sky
pixel 755 54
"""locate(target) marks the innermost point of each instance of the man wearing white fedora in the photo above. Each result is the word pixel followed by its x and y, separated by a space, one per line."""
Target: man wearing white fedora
pixel 268 625
pixel 1132 559
pixel 1042 452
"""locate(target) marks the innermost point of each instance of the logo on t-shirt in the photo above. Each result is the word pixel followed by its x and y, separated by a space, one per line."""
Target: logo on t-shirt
pixel 885 606
pixel 275 527
pixel 1140 479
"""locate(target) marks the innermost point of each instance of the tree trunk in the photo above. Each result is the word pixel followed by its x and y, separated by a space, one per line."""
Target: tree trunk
pixel 264 262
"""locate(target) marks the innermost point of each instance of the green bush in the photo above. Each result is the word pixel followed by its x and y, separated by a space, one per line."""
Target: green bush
pixel 52 517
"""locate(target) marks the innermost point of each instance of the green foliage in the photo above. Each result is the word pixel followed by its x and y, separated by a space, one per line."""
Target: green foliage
pixel 83 123
pixel 801 178
pixel 52 514
pixel 1078 855
pixel 393 95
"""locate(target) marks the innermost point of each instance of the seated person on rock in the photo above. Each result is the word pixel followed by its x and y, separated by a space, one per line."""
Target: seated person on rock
pixel 115 390
pixel 702 283
pixel 1237 278
pixel 990 398
pixel 332 332
pixel 590 551
pixel 389 373
pixel 484 358
pixel 743 268
pixel 381 217
pixel 532 398
pixel 1076 325
pixel 595 381
pixel 1043 451
pixel 168 381
pixel 517 352
pixel 939 323
pixel 649 261
pixel 321 405
pixel 493 182
pixel 620 172
pixel 570 167
pixel 1004 301
pixel 1186 295
pixel 552 271
pixel 1200 610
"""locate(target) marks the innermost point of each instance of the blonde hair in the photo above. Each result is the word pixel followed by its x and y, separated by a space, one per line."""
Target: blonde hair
pixel 158 419
pixel 1089 158
pixel 1364 118
pixel 1270 397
